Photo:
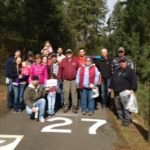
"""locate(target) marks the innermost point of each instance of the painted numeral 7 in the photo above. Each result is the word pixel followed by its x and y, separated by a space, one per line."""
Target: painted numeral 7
pixel 94 127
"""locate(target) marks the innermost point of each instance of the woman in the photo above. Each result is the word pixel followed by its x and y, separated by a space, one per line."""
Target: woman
pixel 45 62
pixel 87 78
pixel 39 69
pixel 19 81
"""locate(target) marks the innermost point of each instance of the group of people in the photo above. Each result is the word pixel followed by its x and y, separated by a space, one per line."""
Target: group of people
pixel 45 79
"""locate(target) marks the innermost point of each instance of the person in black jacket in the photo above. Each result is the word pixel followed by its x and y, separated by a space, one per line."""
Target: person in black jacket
pixel 124 78
pixel 9 62
pixel 104 67
pixel 18 83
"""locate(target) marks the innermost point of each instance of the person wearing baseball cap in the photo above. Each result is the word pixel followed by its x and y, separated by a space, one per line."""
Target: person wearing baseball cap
pixel 124 78
pixel 67 73
pixel 34 99
pixel 121 53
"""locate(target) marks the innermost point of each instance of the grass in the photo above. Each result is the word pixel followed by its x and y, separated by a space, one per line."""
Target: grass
pixel 143 96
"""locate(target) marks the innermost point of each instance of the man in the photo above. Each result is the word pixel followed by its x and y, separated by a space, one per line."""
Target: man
pixel 54 70
pixel 67 73
pixel 33 97
pixel 82 56
pixel 30 58
pixel 121 54
pixel 9 62
pixel 104 67
pixel 54 65
pixel 60 55
pixel 124 78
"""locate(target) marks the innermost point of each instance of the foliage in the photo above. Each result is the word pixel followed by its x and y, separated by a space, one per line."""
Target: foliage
pixel 130 23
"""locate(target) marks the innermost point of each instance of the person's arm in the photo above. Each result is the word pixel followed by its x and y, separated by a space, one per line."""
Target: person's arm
pixel 45 73
pixel 97 76
pixel 27 97
pixel 78 78
pixel 60 71
pixel 133 80
pixel 31 73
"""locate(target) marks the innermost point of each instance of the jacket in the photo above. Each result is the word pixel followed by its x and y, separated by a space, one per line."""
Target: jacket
pixel 9 62
pixel 32 94
pixel 87 75
pixel 115 63
pixel 104 67
pixel 68 69
pixel 15 72
pixel 123 80
pixel 40 70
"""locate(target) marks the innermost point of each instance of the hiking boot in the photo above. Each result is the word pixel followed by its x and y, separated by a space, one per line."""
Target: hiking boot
pixel 125 124
pixel 74 109
pixel 65 109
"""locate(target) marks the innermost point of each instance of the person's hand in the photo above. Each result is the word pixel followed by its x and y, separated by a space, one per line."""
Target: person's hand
pixel 47 89
pixel 34 109
pixel 109 90
pixel 131 92
pixel 91 85
pixel 20 76
pixel 77 86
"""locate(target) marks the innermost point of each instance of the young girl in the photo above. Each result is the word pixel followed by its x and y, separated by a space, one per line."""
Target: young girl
pixel 52 84
pixel 25 69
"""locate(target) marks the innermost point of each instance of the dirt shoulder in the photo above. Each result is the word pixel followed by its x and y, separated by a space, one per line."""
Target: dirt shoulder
pixel 3 101
pixel 135 135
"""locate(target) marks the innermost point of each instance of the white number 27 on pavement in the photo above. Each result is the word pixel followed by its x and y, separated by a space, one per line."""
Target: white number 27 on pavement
pixel 51 128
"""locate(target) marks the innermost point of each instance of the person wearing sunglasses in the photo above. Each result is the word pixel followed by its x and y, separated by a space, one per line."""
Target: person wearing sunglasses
pixel 121 54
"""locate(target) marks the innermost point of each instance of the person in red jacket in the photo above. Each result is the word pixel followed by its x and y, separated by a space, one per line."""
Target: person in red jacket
pixel 67 73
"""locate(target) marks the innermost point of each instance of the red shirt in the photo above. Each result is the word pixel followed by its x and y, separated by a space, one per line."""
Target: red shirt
pixel 81 60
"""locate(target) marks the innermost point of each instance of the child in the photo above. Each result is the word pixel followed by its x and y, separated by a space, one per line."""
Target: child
pixel 25 69
pixel 52 84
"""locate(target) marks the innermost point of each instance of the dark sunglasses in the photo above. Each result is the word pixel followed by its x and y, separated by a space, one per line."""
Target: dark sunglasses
pixel 120 51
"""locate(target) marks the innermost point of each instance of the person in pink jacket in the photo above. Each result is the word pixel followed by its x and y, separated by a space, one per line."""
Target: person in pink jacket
pixel 38 69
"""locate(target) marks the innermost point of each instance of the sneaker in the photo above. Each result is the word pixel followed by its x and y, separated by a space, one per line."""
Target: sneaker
pixel 90 113
pixel 41 119
pixel 83 113
pixel 36 113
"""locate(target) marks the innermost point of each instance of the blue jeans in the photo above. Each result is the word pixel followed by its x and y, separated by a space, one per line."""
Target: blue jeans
pixel 104 91
pixel 10 97
pixel 87 102
pixel 18 96
pixel 51 103
pixel 40 104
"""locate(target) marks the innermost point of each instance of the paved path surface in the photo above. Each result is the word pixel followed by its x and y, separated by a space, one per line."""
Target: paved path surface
pixel 74 132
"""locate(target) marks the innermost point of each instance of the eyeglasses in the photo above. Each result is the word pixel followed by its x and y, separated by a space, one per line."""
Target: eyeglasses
pixel 121 52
